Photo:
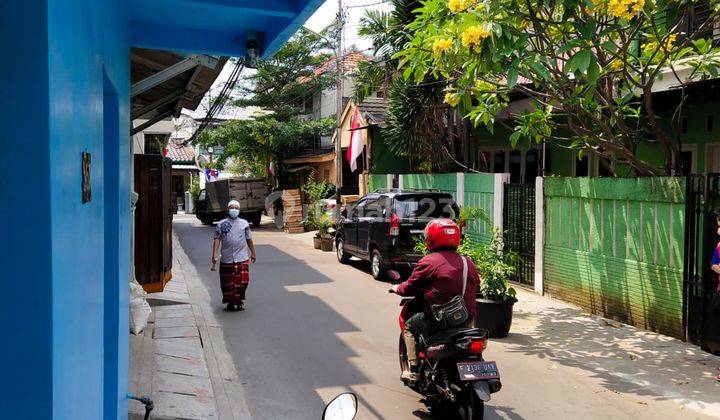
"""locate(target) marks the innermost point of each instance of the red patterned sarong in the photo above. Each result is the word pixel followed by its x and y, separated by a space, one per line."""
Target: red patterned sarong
pixel 234 279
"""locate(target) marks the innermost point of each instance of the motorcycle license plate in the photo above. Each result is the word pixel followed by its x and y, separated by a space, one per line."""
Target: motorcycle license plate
pixel 473 371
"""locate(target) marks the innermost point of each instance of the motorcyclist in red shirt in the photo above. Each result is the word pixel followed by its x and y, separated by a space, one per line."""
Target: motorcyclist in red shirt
pixel 439 277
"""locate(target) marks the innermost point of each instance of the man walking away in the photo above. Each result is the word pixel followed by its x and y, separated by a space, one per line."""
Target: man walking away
pixel 233 239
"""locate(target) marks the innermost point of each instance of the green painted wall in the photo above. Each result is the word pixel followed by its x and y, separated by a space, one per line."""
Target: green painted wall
pixel 441 182
pixel 383 161
pixel 377 181
pixel 697 138
pixel 479 192
pixel 560 161
pixel 615 248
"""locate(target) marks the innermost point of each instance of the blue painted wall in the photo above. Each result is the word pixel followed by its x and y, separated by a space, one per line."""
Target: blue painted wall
pixel 69 320
pixel 25 257
pixel 65 265
pixel 88 57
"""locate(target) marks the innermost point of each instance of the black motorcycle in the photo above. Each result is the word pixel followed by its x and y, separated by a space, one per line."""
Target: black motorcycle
pixel 453 377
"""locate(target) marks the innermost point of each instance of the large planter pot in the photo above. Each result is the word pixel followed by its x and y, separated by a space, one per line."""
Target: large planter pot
pixel 326 244
pixel 316 242
pixel 495 316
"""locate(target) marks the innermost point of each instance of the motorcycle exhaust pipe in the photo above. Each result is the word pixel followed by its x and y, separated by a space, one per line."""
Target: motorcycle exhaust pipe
pixel 495 385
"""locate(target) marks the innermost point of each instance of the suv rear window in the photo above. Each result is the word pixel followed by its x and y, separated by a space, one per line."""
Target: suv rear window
pixel 425 206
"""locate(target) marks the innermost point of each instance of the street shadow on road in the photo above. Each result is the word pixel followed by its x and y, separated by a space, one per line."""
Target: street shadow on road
pixel 625 359
pixel 287 345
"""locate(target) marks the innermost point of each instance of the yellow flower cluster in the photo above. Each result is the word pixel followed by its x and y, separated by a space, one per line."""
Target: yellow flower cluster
pixel 457 6
pixel 473 36
pixel 616 65
pixel 483 86
pixel 442 46
pixel 670 41
pixel 650 47
pixel 452 99
pixel 625 9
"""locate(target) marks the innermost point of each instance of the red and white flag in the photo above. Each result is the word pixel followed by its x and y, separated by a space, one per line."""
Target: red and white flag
pixel 356 145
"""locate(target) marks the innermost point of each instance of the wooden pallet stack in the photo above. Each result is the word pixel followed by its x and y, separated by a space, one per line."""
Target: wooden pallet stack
pixel 292 211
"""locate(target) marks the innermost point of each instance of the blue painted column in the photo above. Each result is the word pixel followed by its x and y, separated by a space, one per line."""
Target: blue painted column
pixel 26 251
pixel 65 263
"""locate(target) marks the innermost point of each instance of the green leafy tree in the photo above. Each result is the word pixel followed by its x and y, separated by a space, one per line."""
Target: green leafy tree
pixel 417 121
pixel 255 143
pixel 283 87
pixel 285 83
pixel 588 67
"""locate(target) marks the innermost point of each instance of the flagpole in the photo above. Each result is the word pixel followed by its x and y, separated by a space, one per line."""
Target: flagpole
pixel 338 136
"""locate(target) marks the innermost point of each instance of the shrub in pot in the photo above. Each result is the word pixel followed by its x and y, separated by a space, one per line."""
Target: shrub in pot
pixel 326 238
pixel 495 297
pixel 315 191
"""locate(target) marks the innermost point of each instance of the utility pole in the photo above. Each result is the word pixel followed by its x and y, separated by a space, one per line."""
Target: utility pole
pixel 338 136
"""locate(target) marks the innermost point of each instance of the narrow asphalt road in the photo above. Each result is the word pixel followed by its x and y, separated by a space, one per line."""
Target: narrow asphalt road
pixel 314 328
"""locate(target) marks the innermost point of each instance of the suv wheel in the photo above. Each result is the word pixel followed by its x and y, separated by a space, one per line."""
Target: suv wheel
pixel 377 266
pixel 342 256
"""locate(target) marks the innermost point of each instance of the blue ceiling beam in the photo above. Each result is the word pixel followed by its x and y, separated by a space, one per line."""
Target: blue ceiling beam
pixel 282 9
pixel 200 41
pixel 276 39
pixel 217 27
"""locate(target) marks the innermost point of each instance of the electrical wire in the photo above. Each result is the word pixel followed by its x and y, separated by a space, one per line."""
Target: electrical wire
pixel 220 101
pixel 368 4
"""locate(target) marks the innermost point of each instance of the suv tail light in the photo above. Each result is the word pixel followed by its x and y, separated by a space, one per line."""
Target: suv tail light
pixel 476 346
pixel 394 229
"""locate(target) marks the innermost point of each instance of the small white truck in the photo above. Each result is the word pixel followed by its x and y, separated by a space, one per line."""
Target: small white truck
pixel 250 193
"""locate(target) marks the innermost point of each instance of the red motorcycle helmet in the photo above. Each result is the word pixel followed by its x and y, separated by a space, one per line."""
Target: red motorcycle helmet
pixel 442 233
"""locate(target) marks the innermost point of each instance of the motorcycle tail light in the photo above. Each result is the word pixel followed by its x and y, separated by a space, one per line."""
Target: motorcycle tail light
pixel 476 346
pixel 394 229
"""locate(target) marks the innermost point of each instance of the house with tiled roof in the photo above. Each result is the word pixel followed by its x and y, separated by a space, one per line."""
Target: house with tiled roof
pixel 317 154
pixel 184 168
pixel 377 157
pixel 323 103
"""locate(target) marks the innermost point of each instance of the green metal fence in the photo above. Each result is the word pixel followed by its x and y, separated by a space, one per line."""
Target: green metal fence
pixel 615 247
pixel 480 193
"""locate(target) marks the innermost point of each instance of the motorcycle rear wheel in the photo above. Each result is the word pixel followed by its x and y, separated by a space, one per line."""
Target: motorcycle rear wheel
pixel 472 407
pixel 402 353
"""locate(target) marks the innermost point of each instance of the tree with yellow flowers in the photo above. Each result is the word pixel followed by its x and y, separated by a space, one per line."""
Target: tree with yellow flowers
pixel 587 68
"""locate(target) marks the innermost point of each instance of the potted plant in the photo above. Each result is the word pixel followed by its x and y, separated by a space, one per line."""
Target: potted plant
pixel 495 298
pixel 468 214
pixel 326 238
pixel 315 192
pixel 311 224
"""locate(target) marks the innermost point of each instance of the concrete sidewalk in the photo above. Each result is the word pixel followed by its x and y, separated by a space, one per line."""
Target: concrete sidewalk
pixel 167 360
pixel 620 358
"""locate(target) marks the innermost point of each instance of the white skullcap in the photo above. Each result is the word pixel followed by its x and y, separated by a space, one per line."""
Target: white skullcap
pixel 234 202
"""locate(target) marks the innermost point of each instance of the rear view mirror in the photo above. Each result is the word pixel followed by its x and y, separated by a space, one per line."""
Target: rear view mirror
pixel 342 407
pixel 393 275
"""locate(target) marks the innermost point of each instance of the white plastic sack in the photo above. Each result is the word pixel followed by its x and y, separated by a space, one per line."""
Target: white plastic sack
pixel 139 308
